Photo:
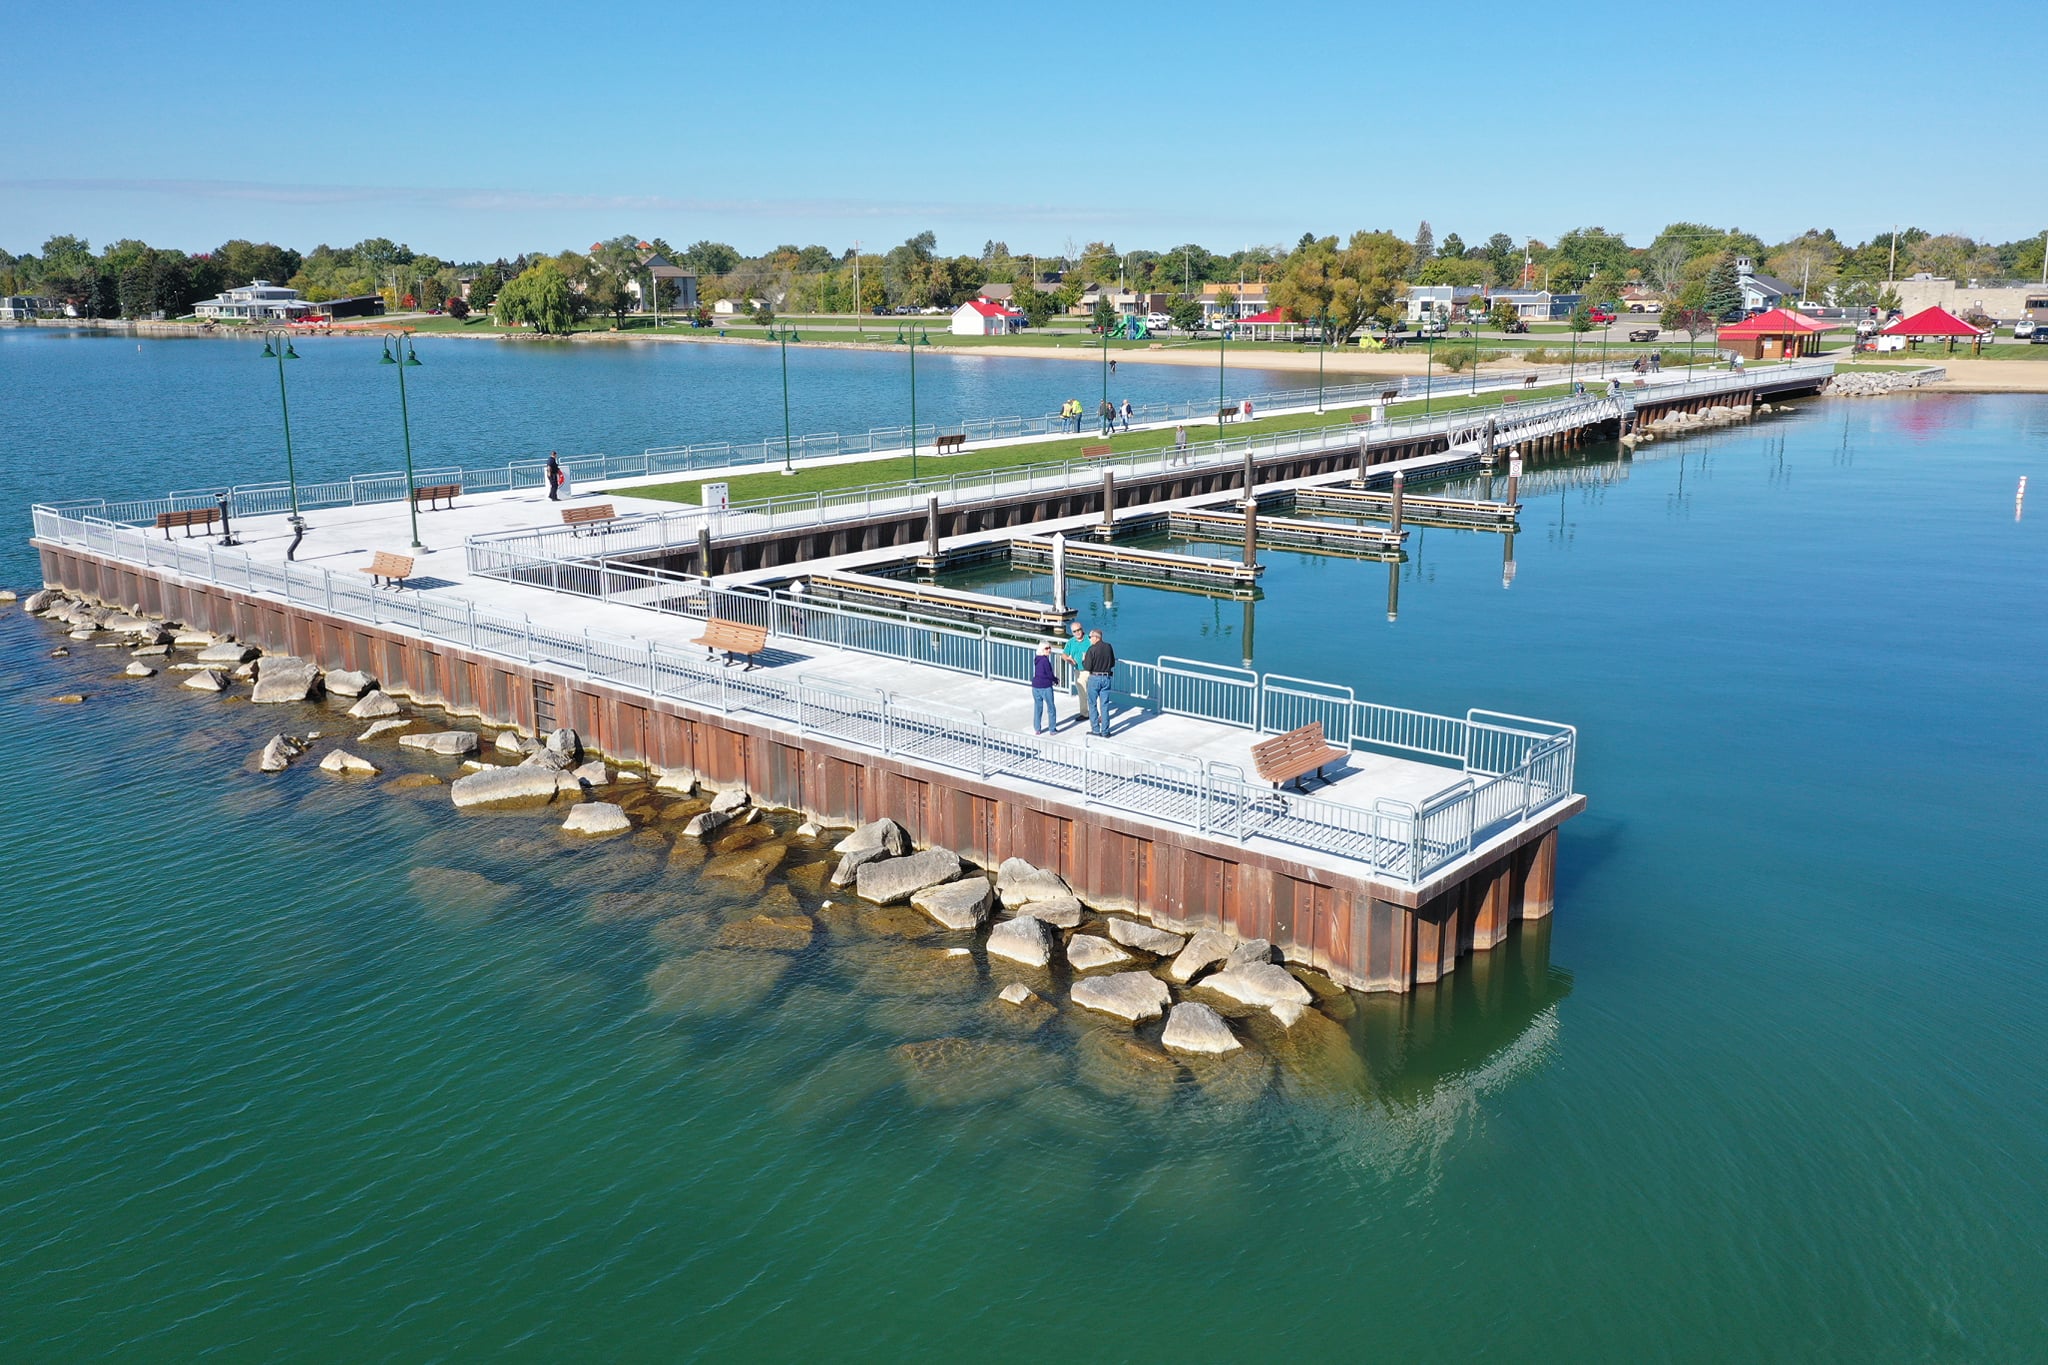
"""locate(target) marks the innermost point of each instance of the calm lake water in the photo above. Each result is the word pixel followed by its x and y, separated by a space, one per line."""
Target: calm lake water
pixel 304 1070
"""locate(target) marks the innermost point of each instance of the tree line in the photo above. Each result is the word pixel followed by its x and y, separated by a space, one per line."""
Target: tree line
pixel 1349 280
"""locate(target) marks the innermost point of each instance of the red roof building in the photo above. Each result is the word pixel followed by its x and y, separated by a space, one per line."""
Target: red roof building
pixel 1933 322
pixel 1775 335
pixel 980 318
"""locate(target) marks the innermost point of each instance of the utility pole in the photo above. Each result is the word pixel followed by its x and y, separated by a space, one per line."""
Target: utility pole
pixel 1891 271
pixel 858 325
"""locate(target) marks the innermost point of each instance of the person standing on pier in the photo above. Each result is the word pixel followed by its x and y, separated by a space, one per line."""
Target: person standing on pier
pixel 554 477
pixel 1076 650
pixel 1180 443
pixel 1045 717
pixel 1106 410
pixel 1100 661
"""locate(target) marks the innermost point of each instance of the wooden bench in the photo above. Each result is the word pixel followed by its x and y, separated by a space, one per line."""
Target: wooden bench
pixel 947 445
pixel 594 516
pixel 1226 414
pixel 1294 755
pixel 436 492
pixel 1528 381
pixel 734 637
pixel 189 518
pixel 1389 395
pixel 1095 452
pixel 387 568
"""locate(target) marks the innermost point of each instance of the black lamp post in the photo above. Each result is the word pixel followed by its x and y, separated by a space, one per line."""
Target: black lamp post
pixel 410 358
pixel 913 339
pixel 783 337
pixel 280 347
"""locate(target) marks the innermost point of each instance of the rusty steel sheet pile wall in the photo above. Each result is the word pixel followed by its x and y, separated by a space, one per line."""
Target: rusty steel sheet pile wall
pixel 1362 932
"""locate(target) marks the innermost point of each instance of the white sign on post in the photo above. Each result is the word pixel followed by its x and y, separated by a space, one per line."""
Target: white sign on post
pixel 717 496
pixel 1515 467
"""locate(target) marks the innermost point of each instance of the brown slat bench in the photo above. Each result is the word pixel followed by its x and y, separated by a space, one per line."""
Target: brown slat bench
pixel 733 637
pixel 1294 755
pixel 1528 381
pixel 432 493
pixel 189 518
pixel 947 445
pixel 1226 414
pixel 1390 395
pixel 387 568
pixel 594 516
pixel 1096 452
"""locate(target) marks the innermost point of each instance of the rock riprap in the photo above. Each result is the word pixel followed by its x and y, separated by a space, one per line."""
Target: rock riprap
pixel 1061 912
pixel 277 755
pixel 1130 996
pixel 230 654
pixel 341 761
pixel 446 743
pixel 1262 984
pixel 208 680
pixel 1194 1027
pixel 1205 950
pixel 282 678
pixel 374 705
pixel 895 879
pixel 957 905
pixel 1088 952
pixel 1146 939
pixel 888 836
pixel 597 818
pixel 349 682
pixel 505 787
pixel 1026 940
pixel 1019 883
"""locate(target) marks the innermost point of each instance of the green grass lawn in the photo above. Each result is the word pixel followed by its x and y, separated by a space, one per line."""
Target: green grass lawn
pixel 826 478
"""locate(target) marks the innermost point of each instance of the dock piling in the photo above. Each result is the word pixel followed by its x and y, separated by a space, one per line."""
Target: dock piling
pixel 931 525
pixel 1400 487
pixel 1108 504
pixel 704 552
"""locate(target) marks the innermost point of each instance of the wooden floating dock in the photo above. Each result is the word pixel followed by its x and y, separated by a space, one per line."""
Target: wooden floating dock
pixel 946 603
pixel 1458 513
pixel 1125 564
pixel 1288 532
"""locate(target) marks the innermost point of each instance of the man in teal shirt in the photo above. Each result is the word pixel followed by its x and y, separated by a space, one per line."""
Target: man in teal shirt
pixel 1076 650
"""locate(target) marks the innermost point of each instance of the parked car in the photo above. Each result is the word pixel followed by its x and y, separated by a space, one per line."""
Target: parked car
pixel 881 310
pixel 2023 329
pixel 1516 326
pixel 1158 322
pixel 2039 338
pixel 1601 315
pixel 1643 334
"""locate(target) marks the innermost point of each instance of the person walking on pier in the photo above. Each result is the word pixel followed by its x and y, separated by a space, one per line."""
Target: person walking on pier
pixel 1100 661
pixel 1180 444
pixel 1045 717
pixel 554 477
pixel 1107 412
pixel 1125 414
pixel 1076 650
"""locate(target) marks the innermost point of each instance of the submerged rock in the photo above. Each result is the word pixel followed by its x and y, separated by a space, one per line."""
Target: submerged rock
pixel 716 981
pixel 949 1072
pixel 1130 996
pixel 1017 993
pixel 895 879
pixel 457 893
pixel 138 671
pixel 374 705
pixel 385 727
pixel 276 755
pixel 1194 1027
pixel 1026 939
pixel 768 933
pixel 707 823
pixel 1119 1066
pixel 1145 938
pixel 596 818
pixel 748 869
pixel 1204 950
pixel 957 905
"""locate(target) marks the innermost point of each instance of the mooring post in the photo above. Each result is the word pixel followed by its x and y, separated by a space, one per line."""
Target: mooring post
pixel 1059 571
pixel 931 525
pixel 1507 560
pixel 704 552
pixel 1486 452
pixel 1108 504
pixel 1393 590
pixel 1514 474
pixel 1400 487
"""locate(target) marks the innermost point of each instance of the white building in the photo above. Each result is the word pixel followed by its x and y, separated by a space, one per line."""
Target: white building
pixel 1759 291
pixel 256 300
pixel 1425 299
pixel 17 308
pixel 980 318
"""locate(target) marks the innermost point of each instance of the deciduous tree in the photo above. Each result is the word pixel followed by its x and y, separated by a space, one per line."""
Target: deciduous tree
pixel 1348 285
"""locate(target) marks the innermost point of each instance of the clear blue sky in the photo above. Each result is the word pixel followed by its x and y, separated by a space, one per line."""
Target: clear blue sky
pixel 478 130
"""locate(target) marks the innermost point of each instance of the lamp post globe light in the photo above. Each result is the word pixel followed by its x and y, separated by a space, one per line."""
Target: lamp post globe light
pixel 279 346
pixel 783 336
pixel 408 359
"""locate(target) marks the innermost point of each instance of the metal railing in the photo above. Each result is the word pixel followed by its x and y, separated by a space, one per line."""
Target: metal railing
pixel 1400 841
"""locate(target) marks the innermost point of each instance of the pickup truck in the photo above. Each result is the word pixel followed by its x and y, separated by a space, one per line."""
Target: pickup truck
pixel 1601 316
pixel 1643 334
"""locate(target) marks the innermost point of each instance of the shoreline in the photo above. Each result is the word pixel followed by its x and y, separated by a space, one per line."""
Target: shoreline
pixel 1965 374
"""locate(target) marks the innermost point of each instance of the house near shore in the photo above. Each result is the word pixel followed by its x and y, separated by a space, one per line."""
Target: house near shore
pixel 1759 291
pixel 1536 305
pixel 1231 302
pixel 17 308
pixel 980 318
pixel 256 301
pixel 658 268
pixel 1440 299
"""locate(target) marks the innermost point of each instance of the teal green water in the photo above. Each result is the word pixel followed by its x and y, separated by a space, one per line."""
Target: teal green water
pixel 1768 1087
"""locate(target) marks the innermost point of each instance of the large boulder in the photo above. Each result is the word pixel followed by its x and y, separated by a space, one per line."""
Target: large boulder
pixel 349 682
pixel 505 787
pixel 707 823
pixel 1061 912
pixel 1145 938
pixel 886 835
pixel 1249 952
pixel 1088 952
pixel 895 879
pixel 374 705
pixel 385 727
pixel 447 743
pixel 957 905
pixel 41 601
pixel 593 774
pixel 851 862
pixel 597 818
pixel 341 761
pixel 282 678
pixel 1204 950
pixel 731 801
pixel 208 680
pixel 1194 1027
pixel 1130 996
pixel 229 653
pixel 1262 984
pixel 1024 940
pixel 546 758
pixel 138 671
pixel 566 744
pixel 1018 882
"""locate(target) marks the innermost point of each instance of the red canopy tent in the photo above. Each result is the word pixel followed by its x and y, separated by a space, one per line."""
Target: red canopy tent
pixel 1273 320
pixel 1772 334
pixel 1934 322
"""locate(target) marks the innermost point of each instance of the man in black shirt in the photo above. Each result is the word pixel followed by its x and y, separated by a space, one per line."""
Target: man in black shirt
pixel 1100 665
